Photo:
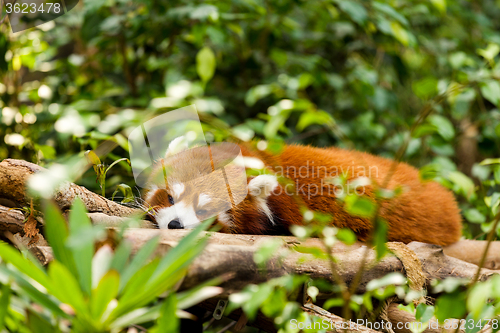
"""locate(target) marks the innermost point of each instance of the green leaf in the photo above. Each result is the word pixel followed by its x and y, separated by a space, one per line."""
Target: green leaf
pixel 333 302
pixel 380 237
pixel 137 283
pixel 478 298
pixel 440 5
pixel 443 125
pixel 276 123
pixel 490 161
pixel 198 295
pixel 128 195
pixel 491 91
pixel 464 184
pixel 450 306
pixel 496 174
pixel 112 24
pixel 121 256
pixel 490 52
pixel 423 130
pixel 185 251
pixel 393 278
pixel 481 172
pixel 256 93
pixel 160 276
pixel 477 324
pixel 355 10
pixel 4 303
pixel 346 236
pixel 266 251
pixel 305 80
pixel 258 295
pixel 424 312
pixel 317 252
pixel 205 64
pixel 429 172
pixel 101 263
pixel 27 289
pixel 168 321
pixel 474 216
pixel 92 157
pixel 359 206
pixel 38 324
pixel 106 290
pixel 389 11
pixel 139 260
pixel 425 88
pixel 400 33
pixel 449 285
pixel 115 163
pixel 65 287
pixel 309 118
pixel 275 146
pixel 79 222
pixel 138 316
pixel 49 152
pixel 11 255
pixel 57 232
pixel 460 59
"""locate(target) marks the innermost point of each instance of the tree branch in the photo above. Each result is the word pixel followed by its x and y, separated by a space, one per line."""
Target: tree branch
pixel 234 253
pixel 15 173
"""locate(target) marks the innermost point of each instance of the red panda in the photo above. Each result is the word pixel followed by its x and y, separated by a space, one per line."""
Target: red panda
pixel 424 211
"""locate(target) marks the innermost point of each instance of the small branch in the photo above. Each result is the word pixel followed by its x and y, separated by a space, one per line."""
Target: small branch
pixel 126 66
pixel 227 327
pixel 491 235
pixel 116 221
pixel 234 253
pixel 336 323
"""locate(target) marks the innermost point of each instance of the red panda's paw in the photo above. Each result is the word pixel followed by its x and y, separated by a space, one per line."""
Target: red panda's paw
pixel 262 186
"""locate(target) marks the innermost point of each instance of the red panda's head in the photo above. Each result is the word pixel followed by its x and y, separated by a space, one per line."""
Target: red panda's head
pixel 195 184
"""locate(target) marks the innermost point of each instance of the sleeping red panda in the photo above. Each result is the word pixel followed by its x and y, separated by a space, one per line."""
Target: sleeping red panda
pixel 424 211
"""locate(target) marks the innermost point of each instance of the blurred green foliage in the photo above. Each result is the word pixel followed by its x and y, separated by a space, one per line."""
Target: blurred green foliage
pixel 108 290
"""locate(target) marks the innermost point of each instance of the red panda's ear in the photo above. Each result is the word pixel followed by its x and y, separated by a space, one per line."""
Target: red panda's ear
pixel 177 145
pixel 262 186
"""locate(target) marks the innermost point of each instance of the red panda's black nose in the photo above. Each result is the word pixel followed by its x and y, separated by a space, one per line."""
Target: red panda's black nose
pixel 175 224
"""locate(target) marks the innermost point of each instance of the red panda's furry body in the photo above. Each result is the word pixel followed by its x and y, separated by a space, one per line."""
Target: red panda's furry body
pixel 424 211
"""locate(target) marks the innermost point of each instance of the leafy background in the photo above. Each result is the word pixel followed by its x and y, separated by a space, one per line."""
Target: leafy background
pixel 355 74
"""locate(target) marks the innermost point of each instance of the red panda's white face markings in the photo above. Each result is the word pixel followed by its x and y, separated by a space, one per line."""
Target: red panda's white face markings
pixel 177 190
pixel 180 207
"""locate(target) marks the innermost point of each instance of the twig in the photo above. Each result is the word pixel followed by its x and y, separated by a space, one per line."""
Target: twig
pixel 142 329
pixel 126 66
pixel 489 239
pixel 228 326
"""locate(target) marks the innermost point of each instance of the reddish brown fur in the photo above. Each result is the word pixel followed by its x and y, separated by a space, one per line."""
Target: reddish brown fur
pixel 425 212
